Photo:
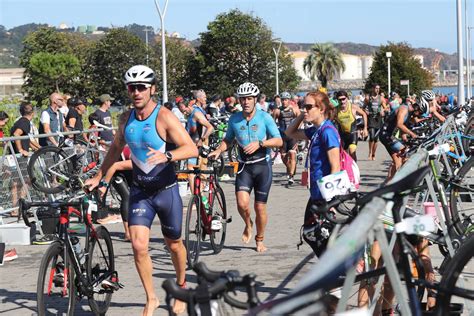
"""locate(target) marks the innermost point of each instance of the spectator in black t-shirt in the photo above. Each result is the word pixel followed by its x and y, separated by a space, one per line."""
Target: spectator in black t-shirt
pixel 77 107
pixel 23 127
pixel 105 118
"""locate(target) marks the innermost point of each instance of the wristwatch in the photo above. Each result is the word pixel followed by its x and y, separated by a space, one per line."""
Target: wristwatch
pixel 260 143
pixel 169 156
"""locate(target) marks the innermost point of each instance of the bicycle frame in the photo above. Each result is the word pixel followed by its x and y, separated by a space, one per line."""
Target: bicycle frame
pixel 206 218
pixel 340 260
pixel 66 209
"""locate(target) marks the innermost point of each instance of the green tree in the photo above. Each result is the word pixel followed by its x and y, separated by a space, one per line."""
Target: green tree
pixel 52 71
pixel 48 40
pixel 44 40
pixel 237 47
pixel 403 66
pixel 108 60
pixel 323 62
pixel 179 56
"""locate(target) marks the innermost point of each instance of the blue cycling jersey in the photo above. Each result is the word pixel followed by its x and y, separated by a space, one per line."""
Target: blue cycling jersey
pixel 140 135
pixel 260 127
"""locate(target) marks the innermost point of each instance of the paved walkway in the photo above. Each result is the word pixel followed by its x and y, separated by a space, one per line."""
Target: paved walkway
pixel 279 268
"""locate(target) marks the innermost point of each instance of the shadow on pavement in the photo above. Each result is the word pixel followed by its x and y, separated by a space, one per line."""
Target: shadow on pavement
pixel 281 288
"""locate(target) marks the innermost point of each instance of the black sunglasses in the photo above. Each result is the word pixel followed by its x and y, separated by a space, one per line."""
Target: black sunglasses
pixel 342 99
pixel 308 107
pixel 140 87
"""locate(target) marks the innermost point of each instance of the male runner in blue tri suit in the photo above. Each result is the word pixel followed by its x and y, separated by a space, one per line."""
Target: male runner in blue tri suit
pixel 147 129
pixel 255 132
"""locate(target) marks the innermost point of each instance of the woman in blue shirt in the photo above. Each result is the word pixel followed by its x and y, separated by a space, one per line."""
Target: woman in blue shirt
pixel 323 158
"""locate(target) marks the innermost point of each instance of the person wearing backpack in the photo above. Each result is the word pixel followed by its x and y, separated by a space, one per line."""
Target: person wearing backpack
pixel 323 159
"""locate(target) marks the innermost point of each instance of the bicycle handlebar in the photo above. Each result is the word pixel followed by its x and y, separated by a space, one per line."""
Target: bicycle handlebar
pixel 25 205
pixel 197 171
pixel 201 269
pixel 189 295
pixel 323 209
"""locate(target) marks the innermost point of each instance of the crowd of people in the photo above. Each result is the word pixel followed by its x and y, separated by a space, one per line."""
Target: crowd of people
pixel 155 136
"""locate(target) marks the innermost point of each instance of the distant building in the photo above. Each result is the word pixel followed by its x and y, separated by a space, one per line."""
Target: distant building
pixel 11 80
pixel 357 67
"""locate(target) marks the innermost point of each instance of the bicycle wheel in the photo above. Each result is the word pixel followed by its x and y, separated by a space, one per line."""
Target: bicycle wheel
pixel 219 213
pixel 461 197
pixel 56 293
pixel 468 142
pixel 100 265
pixel 49 169
pixel 458 278
pixel 192 240
pixel 233 152
pixel 219 166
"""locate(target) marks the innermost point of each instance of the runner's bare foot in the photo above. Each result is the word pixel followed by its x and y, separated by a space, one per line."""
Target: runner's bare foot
pixel 260 246
pixel 247 234
pixel 179 307
pixel 150 306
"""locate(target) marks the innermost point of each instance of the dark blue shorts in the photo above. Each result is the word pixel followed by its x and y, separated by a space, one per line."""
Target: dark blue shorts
pixel 165 203
pixel 256 176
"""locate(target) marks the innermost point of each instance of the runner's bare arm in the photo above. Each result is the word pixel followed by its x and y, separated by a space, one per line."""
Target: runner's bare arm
pixel 201 119
pixel 114 151
pixel 176 133
pixel 293 132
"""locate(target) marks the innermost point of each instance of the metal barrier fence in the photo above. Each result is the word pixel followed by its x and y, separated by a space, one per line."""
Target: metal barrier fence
pixel 14 180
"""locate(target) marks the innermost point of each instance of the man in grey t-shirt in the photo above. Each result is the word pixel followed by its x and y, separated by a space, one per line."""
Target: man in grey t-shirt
pixel 105 118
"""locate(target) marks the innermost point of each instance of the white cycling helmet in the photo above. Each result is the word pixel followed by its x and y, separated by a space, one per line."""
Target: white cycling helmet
pixel 139 74
pixel 285 95
pixel 428 95
pixel 247 89
pixel 424 106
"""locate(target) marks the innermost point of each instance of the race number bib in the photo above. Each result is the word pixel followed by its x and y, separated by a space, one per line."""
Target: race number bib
pixel 334 184
pixel 418 225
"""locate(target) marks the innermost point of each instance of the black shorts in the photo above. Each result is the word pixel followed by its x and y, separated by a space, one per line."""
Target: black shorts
pixel 288 143
pixel 374 134
pixel 391 143
pixel 349 139
pixel 256 176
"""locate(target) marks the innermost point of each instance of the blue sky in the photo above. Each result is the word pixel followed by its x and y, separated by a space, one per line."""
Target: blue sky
pixel 422 23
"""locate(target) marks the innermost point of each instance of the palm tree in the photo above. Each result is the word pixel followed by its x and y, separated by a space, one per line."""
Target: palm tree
pixel 323 62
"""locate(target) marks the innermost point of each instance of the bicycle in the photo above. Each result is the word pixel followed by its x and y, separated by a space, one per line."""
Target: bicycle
pixel 67 272
pixel 54 169
pixel 223 282
pixel 332 270
pixel 202 220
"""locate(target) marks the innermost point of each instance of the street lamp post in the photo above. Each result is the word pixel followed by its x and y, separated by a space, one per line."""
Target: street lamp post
pixel 146 41
pixel 460 53
pixel 389 55
pixel 163 48
pixel 276 50
pixel 469 62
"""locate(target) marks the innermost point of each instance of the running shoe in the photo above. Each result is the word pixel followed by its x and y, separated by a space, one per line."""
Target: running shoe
pixel 45 240
pixel 10 255
pixel 291 181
